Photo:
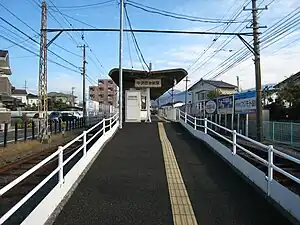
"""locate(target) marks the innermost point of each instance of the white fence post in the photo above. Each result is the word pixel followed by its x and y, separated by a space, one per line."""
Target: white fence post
pixel 110 119
pixel 234 142
pixel 185 117
pixel 195 123
pixel 84 142
pixel 60 165
pixel 104 126
pixel 270 167
pixel 205 125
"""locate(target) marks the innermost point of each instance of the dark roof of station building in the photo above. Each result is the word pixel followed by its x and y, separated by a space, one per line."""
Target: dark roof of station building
pixel 216 83
pixel 167 77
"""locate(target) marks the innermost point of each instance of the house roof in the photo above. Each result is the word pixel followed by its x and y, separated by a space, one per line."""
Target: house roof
pixel 32 96
pixel 216 83
pixel 293 78
pixel 59 94
pixel 19 92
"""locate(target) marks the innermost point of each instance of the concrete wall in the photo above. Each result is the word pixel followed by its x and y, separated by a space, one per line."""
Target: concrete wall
pixel 5 86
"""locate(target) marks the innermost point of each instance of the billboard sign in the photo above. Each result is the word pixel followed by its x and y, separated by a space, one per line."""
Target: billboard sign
pixel 210 107
pixel 245 103
pixel 147 83
pixel 225 105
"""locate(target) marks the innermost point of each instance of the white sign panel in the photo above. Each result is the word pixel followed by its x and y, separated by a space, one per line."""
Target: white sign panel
pixel 147 83
pixel 210 107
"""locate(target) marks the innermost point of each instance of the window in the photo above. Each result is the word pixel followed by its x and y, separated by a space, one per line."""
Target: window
pixel 201 95
pixel 143 103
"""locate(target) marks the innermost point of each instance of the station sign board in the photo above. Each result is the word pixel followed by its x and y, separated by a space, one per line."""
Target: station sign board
pixel 211 107
pixel 245 103
pixel 225 105
pixel 147 83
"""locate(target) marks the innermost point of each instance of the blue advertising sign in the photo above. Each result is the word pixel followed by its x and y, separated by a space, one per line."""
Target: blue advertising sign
pixel 245 103
pixel 225 105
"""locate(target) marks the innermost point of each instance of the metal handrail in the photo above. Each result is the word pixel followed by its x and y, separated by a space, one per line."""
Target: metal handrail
pixel 269 163
pixel 59 169
pixel 220 126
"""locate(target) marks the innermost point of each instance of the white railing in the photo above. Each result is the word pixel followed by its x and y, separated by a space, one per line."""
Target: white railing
pixel 193 122
pixel 102 125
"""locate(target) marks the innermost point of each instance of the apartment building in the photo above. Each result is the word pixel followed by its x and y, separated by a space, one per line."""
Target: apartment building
pixel 105 93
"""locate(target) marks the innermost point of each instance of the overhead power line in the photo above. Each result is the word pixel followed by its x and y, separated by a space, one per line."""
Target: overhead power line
pixel 70 24
pixel 84 6
pixel 176 15
pixel 22 21
pixel 238 57
pixel 36 54
pixel 135 40
pixel 35 41
pixel 243 54
pixel 224 44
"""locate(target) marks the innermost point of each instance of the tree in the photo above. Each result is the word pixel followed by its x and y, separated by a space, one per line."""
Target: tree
pixel 290 93
pixel 214 94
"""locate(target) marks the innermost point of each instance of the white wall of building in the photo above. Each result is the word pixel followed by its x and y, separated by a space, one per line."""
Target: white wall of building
pixel 23 98
pixel 32 101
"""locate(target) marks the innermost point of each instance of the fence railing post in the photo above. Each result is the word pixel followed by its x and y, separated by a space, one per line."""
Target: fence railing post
pixel 16 131
pixel 59 126
pixel 25 131
pixel 60 165
pixel 205 125
pixel 195 123
pixel 270 167
pixel 55 126
pixel 185 117
pixel 32 130
pixel 104 131
pixel 234 142
pixel 84 142
pixel 292 133
pixel 273 131
pixel 110 120
pixel 5 134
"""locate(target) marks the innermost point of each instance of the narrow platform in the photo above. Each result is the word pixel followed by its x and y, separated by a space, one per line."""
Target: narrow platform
pixel 219 195
pixel 125 185
pixel 159 174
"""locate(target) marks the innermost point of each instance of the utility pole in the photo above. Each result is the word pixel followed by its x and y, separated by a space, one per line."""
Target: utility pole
pixel 73 98
pixel 120 64
pixel 25 86
pixel 186 94
pixel 174 83
pixel 238 83
pixel 83 81
pixel 256 41
pixel 42 84
pixel 148 96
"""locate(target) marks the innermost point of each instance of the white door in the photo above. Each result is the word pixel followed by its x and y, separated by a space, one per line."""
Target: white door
pixel 133 101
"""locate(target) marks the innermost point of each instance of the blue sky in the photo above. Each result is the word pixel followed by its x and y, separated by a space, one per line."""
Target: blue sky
pixel 164 51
